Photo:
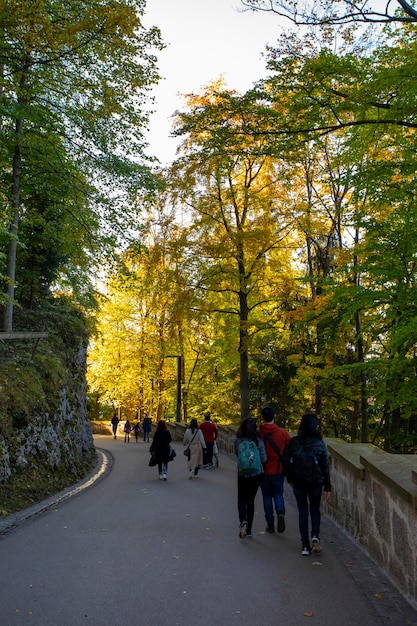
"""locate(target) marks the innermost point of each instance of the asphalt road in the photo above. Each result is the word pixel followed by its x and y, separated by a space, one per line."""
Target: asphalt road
pixel 130 549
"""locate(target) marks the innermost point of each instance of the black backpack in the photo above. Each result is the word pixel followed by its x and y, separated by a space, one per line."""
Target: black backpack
pixel 303 466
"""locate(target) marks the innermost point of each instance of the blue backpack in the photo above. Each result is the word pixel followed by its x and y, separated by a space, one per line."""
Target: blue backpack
pixel 248 458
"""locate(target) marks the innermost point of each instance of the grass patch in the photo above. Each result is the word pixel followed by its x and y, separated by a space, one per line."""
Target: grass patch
pixel 34 485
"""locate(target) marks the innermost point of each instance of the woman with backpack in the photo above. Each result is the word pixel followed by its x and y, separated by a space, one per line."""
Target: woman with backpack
pixel 308 472
pixel 127 430
pixel 251 454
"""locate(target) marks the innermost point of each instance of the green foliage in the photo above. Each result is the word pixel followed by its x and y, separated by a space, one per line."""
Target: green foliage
pixel 300 250
pixel 32 377
pixel 72 154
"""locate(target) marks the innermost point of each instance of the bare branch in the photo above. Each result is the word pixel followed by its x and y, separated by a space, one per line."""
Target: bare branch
pixel 344 12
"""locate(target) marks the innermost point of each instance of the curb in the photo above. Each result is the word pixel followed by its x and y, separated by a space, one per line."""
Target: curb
pixel 103 467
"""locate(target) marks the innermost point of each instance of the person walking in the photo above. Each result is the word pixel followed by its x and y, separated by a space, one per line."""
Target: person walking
pixel 136 431
pixel 308 472
pixel 161 448
pixel 147 428
pixel 276 440
pixel 210 432
pixel 194 440
pixel 251 454
pixel 114 423
pixel 127 430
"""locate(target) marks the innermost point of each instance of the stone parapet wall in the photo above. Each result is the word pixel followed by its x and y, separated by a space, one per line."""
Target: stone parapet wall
pixel 374 499
pixel 225 439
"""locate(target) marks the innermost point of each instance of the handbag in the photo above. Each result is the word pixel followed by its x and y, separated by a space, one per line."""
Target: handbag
pixel 187 450
pixel 172 454
pixel 152 461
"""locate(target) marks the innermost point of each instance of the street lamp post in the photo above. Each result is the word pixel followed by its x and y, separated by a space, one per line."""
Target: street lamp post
pixel 179 371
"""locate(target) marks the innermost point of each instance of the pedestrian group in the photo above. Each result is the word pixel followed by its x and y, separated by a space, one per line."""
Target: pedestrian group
pixel 265 457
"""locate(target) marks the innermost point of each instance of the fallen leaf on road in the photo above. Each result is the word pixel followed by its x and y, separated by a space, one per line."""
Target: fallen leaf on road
pixel 316 563
pixel 176 556
pixel 308 614
pixel 378 597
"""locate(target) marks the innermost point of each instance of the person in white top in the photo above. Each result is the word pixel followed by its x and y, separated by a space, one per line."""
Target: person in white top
pixel 194 440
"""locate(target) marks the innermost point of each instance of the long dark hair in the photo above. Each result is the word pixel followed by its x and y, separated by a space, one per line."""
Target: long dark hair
pixel 247 429
pixel 309 426
pixel 193 425
pixel 161 426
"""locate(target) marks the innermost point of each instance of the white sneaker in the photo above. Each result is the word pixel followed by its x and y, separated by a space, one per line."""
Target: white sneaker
pixel 161 477
pixel 306 551
pixel 316 545
pixel 243 530
pixel 165 476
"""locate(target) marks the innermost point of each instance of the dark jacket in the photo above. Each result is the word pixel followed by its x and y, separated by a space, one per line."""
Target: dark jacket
pixel 161 446
pixel 318 448
pixel 147 425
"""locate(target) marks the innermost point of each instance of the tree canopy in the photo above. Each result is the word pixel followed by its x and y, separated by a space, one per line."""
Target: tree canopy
pixel 274 258
pixel 293 276
pixel 73 84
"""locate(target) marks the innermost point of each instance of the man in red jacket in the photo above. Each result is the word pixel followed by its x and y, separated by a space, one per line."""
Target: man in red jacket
pixel 210 433
pixel 272 484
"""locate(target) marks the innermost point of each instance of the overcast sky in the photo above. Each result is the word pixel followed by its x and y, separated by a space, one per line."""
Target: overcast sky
pixel 205 39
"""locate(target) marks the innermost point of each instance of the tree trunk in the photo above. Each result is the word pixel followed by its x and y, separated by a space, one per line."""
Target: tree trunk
pixel 364 398
pixel 243 355
pixel 14 226
pixel 361 355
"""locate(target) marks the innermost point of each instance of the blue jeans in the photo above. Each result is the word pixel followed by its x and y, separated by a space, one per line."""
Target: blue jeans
pixel 308 501
pixel 272 487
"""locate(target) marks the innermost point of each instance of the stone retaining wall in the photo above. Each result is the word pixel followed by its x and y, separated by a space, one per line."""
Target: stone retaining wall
pixel 62 437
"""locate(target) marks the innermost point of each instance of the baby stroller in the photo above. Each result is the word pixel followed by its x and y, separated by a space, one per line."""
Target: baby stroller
pixel 215 455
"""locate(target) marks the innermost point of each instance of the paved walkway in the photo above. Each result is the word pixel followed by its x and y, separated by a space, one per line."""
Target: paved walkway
pixel 133 550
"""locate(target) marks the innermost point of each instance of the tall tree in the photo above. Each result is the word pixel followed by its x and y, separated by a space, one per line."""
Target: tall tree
pixel 78 72
pixel 241 226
